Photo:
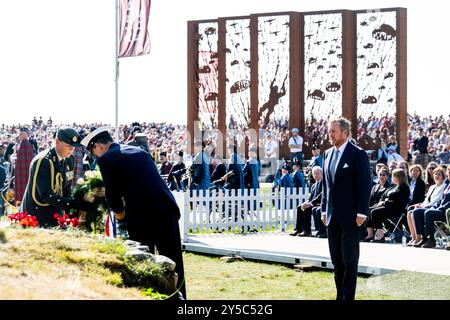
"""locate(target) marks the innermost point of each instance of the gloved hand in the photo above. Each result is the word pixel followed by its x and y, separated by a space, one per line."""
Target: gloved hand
pixel 81 205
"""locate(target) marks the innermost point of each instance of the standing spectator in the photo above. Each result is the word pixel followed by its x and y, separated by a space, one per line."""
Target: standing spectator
pixel 382 156
pixel 200 171
pixel 174 178
pixel 316 161
pixel 271 152
pixel 420 149
pixel 2 184
pixel 252 169
pixel 219 171
pixel 296 146
pixel 298 178
pixel 34 143
pixel 9 148
pixel 286 178
pixel 78 165
pixel 165 166
pixel 25 154
pixel 236 180
pixel 2 153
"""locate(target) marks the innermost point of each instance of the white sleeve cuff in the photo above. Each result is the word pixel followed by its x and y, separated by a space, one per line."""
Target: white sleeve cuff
pixel 361 215
pixel 324 214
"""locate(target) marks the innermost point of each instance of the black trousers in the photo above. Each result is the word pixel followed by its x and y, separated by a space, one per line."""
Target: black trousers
pixel 317 215
pixel 379 214
pixel 343 242
pixel 424 220
pixel 166 238
pixel 303 220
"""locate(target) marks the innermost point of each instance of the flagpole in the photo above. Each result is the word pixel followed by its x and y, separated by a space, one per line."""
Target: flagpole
pixel 116 59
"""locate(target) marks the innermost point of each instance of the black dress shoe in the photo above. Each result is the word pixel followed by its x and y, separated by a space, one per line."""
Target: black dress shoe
pixel 294 234
pixel 367 239
pixel 431 243
pixel 378 240
pixel 421 243
pixel 305 234
pixel 321 235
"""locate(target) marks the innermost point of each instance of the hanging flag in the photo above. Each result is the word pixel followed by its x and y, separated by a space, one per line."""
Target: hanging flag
pixel 133 23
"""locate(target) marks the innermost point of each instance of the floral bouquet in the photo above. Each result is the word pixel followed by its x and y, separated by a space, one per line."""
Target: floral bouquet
pixel 65 222
pixel 24 220
pixel 91 189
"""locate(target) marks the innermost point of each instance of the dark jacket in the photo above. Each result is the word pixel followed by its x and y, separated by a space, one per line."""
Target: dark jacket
pixel 201 177
pixel 49 188
pixel 421 144
pixel 298 179
pixel 219 171
pixel 315 197
pixel 236 181
pixel 2 176
pixel 418 195
pixel 377 192
pixel 175 174
pixel 132 182
pixel 251 172
pixel 349 194
pixel 396 198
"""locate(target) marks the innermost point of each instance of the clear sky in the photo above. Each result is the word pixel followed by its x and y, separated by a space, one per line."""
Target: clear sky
pixel 57 57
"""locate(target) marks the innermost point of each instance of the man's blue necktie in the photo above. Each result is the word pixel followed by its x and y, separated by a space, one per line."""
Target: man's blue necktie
pixel 333 163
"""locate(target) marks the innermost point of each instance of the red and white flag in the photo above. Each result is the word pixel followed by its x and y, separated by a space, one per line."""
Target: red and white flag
pixel 133 23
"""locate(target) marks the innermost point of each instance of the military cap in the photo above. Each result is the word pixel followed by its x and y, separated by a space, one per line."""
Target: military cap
pixel 24 129
pixel 94 136
pixel 69 136
pixel 297 163
pixel 136 129
pixel 315 147
pixel 286 166
pixel 294 130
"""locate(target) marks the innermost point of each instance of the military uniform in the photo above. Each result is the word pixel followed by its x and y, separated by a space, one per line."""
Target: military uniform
pixel 49 185
pixel 134 186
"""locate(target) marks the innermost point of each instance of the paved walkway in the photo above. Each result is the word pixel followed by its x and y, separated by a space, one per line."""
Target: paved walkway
pixel 280 247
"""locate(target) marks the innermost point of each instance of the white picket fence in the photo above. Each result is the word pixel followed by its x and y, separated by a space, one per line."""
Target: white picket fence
pixel 239 210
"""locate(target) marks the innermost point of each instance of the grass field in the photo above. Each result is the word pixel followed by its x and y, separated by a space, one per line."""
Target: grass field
pixel 46 264
pixel 212 278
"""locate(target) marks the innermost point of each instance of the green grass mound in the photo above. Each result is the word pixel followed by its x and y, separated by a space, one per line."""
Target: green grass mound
pixel 53 264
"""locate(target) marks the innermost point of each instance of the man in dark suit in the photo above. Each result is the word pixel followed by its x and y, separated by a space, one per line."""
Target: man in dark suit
pixel 345 204
pixel 305 210
pixel 139 197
